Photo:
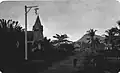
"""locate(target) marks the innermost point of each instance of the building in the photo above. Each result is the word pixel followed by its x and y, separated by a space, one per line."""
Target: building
pixel 36 34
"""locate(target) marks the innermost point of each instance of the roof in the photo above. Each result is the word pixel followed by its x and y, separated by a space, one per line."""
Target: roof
pixel 37 24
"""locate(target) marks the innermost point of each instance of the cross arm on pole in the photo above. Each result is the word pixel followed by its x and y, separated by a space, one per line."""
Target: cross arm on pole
pixel 30 8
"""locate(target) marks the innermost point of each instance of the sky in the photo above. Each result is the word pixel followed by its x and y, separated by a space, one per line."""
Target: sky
pixel 71 17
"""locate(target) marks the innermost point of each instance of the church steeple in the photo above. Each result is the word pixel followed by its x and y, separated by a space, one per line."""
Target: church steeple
pixel 38 29
pixel 37 24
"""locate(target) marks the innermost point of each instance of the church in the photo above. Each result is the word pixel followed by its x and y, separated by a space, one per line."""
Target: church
pixel 36 34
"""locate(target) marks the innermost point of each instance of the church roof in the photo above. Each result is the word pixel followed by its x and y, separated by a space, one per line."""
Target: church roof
pixel 37 24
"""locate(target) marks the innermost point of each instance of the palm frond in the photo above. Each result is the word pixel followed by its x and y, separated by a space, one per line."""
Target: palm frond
pixel 57 35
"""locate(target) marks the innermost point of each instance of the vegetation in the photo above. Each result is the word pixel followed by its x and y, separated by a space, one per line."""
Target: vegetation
pixel 112 38
pixel 12 40
pixel 94 42
pixel 61 41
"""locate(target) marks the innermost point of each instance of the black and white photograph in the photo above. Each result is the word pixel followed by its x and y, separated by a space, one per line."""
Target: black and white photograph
pixel 60 36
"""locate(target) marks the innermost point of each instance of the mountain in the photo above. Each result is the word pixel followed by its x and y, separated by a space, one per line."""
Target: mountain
pixel 84 41
pixel 84 38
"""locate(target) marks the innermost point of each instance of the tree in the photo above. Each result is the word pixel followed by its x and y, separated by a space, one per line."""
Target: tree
pixel 110 37
pixel 118 37
pixel 45 44
pixel 118 22
pixel 93 41
pixel 62 43
pixel 12 29
pixel 60 39
pixel 9 38
pixel 10 26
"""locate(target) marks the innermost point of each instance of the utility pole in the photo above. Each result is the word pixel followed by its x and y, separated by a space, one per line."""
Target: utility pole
pixel 26 11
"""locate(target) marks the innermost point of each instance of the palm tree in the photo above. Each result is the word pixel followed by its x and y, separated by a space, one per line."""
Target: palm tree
pixel 62 43
pixel 3 24
pixel 9 26
pixel 111 37
pixel 9 40
pixel 97 42
pixel 118 22
pixel 60 39
pixel 92 40
pixel 118 37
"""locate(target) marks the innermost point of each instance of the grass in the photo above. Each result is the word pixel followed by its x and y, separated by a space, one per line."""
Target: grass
pixel 38 66
pixel 49 59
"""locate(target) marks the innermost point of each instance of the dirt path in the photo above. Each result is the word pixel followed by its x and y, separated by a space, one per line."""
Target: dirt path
pixel 66 66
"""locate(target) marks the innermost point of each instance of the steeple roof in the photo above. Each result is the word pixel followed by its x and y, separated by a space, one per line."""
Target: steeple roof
pixel 37 24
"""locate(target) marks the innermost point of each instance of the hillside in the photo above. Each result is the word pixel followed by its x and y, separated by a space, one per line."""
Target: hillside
pixel 84 38
pixel 84 41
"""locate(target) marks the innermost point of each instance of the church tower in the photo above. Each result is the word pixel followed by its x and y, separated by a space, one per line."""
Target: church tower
pixel 37 30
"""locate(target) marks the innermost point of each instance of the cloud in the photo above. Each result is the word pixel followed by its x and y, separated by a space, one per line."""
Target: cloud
pixel 71 17
pixel 118 0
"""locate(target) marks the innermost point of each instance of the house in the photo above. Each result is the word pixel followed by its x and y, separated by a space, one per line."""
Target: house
pixel 36 34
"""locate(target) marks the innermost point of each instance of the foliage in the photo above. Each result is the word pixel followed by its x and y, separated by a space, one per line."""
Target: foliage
pixel 12 42
pixel 10 26
pixel 46 44
pixel 61 39
pixel 111 38
pixel 91 32
pixel 68 47
pixel 94 42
